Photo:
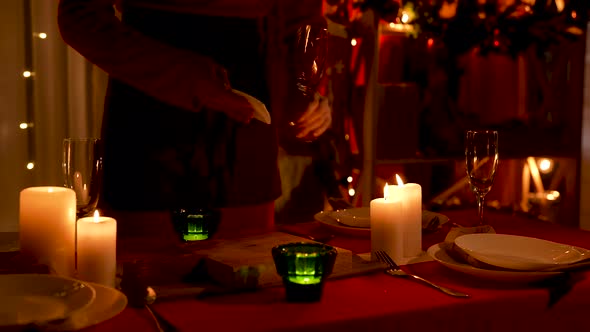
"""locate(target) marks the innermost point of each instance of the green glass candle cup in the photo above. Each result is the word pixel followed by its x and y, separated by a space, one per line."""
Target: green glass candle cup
pixel 304 266
pixel 195 224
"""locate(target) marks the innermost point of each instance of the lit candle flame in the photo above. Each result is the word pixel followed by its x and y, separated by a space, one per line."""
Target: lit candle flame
pixel 405 17
pixel 386 191
pixel 96 216
pixel 399 180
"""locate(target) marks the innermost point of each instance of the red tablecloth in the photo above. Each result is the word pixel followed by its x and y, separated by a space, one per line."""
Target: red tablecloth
pixel 380 302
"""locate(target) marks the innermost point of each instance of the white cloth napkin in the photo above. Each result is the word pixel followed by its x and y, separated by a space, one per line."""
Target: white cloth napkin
pixel 260 111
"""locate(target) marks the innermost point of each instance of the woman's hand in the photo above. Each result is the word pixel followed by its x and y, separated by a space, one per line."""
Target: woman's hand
pixel 235 106
pixel 224 99
pixel 316 119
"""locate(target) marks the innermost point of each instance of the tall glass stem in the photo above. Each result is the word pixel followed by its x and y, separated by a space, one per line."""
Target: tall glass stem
pixel 480 199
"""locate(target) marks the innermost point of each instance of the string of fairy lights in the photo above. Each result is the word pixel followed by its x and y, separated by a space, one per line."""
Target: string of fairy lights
pixel 28 74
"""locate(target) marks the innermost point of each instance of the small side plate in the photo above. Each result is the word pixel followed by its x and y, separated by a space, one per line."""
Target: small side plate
pixel 439 254
pixel 520 252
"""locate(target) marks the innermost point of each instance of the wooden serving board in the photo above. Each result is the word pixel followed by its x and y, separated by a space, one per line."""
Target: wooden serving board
pixel 248 262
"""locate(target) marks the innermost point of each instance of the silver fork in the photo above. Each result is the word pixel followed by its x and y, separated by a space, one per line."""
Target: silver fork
pixel 396 271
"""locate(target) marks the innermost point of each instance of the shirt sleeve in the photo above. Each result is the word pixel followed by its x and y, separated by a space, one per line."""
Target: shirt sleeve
pixel 181 78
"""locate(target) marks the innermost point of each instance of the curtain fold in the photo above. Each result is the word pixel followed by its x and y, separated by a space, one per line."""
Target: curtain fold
pixel 62 98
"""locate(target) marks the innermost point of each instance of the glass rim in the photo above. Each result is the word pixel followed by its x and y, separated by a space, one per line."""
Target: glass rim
pixel 481 131
pixel 287 248
pixel 81 139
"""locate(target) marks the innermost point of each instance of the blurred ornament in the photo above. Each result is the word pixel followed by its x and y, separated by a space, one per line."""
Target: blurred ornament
pixel 574 30
pixel 560 5
pixel 502 5
pixel 448 9
pixel 520 11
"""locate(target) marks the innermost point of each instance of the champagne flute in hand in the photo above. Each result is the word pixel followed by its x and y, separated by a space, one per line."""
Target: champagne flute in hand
pixel 310 49
pixel 308 52
pixel 481 156
pixel 82 169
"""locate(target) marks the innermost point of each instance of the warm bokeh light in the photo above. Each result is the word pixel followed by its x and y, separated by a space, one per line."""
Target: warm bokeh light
pixel 560 4
pixel 574 14
pixel 448 9
pixel 31 165
pixel 351 192
pixel 545 165
pixel 353 42
pixel 400 27
pixel 405 17
pixel 27 73
pixel 42 35
pixel 430 42
pixel 23 125
pixel 349 179
pixel 553 195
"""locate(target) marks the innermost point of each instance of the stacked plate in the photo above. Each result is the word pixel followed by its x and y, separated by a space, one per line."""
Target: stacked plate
pixel 503 257
pixel 357 221
pixel 352 221
pixel 57 302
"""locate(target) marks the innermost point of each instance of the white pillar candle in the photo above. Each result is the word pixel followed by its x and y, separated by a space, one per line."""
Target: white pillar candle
pixel 97 249
pixel 387 232
pixel 47 221
pixel 410 196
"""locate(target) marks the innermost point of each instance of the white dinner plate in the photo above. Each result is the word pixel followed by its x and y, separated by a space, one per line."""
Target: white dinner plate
pixel 108 303
pixel 357 221
pixel 354 217
pixel 520 252
pixel 260 111
pixel 40 298
pixel 440 255
pixel 327 219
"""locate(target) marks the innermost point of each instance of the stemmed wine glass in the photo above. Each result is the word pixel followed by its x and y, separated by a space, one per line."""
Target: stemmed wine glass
pixel 481 157
pixel 82 169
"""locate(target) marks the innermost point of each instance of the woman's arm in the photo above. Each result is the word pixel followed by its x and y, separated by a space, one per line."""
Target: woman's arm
pixel 178 77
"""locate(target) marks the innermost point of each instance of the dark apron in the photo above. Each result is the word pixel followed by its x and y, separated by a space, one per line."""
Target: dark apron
pixel 160 157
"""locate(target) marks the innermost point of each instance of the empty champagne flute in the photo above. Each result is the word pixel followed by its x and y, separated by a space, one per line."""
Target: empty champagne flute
pixel 481 157
pixel 82 169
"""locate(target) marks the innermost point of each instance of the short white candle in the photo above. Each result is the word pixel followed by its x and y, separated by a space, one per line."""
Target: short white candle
pixel 97 249
pixel 47 220
pixel 410 196
pixel 387 232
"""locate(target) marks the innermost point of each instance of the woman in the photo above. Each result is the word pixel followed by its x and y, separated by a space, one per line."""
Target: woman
pixel 176 134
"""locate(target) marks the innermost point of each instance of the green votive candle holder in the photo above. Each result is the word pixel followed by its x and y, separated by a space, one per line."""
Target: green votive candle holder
pixel 304 266
pixel 195 224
